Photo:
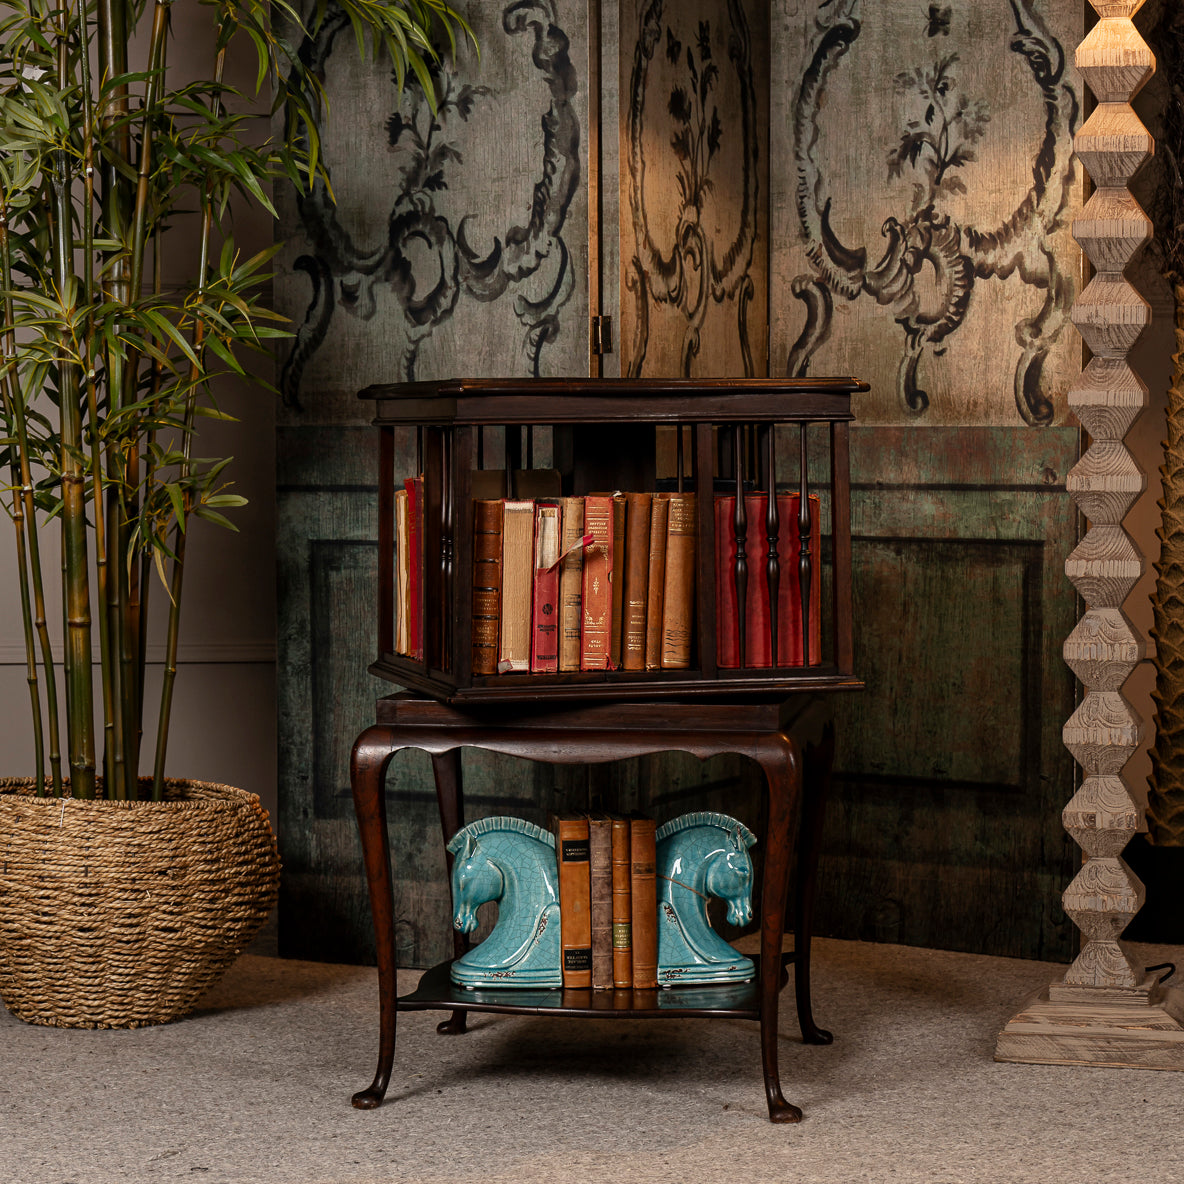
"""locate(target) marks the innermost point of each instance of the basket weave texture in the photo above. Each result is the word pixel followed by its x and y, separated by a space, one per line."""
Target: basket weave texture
pixel 120 914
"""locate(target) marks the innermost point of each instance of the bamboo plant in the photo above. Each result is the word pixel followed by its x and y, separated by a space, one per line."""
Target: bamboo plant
pixel 107 166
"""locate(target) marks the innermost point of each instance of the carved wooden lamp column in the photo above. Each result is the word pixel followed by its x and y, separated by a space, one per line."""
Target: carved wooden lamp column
pixel 1107 1009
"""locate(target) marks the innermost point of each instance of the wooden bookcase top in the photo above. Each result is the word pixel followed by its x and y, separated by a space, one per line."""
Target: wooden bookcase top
pixel 610 400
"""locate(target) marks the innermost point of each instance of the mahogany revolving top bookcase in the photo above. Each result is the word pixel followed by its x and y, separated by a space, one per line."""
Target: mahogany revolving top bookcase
pixel 765 459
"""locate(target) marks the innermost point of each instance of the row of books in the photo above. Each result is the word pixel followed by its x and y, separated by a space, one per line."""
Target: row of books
pixel 608 902
pixel 600 582
pixel 607 582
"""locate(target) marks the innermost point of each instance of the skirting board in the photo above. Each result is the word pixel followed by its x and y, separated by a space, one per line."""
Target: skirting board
pixel 1130 1035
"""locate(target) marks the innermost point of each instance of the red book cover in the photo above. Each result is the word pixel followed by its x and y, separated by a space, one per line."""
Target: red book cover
pixel 414 487
pixel 790 651
pixel 598 593
pixel 544 638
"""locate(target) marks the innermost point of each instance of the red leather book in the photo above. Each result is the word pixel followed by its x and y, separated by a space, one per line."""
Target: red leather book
pixel 544 644
pixel 790 650
pixel 595 642
pixel 414 487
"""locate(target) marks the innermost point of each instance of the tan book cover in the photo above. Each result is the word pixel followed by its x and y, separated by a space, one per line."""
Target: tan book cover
pixel 571 583
pixel 487 585
pixel 402 573
pixel 656 580
pixel 517 585
pixel 622 905
pixel 575 890
pixel 617 578
pixel 636 581
pixel 644 905
pixel 600 859
pixel 678 607
pixel 597 595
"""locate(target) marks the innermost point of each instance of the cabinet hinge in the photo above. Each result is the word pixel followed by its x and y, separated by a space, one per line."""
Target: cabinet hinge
pixel 602 335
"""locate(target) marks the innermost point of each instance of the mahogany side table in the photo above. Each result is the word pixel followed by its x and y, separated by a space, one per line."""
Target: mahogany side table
pixel 791 740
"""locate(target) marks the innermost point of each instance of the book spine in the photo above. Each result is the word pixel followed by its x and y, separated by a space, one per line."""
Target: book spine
pixel 517 585
pixel 600 859
pixel 597 593
pixel 790 651
pixel 414 487
pixel 758 640
pixel 544 646
pixel 727 626
pixel 571 583
pixel 487 584
pixel 644 887
pixel 617 579
pixel 636 582
pixel 575 889
pixel 678 610
pixel 656 581
pixel 622 906
pixel 402 577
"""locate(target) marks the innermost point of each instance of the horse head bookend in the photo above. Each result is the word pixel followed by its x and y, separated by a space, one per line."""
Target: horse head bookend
pixel 700 856
pixel 510 861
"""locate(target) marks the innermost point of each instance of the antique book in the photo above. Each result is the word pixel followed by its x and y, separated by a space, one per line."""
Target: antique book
pixel 487 584
pixel 571 581
pixel 517 585
pixel 600 863
pixel 636 581
pixel 678 599
pixel 644 904
pixel 656 581
pixel 597 592
pixel 617 578
pixel 757 631
pixel 622 904
pixel 402 575
pixel 544 646
pixel 575 890
pixel 415 572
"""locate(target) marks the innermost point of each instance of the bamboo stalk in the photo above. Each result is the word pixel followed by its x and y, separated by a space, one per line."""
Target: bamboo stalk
pixel 9 392
pixel 76 587
pixel 178 573
pixel 92 402
pixel 113 37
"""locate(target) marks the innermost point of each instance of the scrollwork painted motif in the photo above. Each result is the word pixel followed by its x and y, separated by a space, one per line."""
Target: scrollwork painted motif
pixel 932 259
pixel 425 261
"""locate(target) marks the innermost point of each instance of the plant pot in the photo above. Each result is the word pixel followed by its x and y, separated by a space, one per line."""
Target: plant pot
pixel 120 914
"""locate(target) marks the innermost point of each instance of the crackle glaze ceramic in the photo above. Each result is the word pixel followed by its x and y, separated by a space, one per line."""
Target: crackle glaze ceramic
pixel 702 855
pixel 511 861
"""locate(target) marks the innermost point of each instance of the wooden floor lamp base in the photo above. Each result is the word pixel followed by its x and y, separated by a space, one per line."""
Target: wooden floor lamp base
pixel 1134 1033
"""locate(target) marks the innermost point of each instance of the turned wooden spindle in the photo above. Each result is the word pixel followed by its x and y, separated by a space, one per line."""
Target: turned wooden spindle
pixel 1106 1009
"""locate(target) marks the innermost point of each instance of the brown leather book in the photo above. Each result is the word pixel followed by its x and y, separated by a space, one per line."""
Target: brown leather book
pixel 678 606
pixel 644 886
pixel 656 580
pixel 597 594
pixel 571 583
pixel 600 859
pixel 622 905
pixel 517 585
pixel 636 582
pixel 575 890
pixel 487 584
pixel 617 578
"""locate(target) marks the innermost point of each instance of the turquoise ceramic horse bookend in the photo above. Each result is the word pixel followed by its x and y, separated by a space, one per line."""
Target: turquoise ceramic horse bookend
pixel 511 861
pixel 702 855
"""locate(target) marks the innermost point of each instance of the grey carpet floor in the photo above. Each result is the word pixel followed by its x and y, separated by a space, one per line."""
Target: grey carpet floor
pixel 254 1089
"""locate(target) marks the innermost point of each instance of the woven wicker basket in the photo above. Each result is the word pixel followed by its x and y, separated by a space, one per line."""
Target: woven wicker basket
pixel 119 914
